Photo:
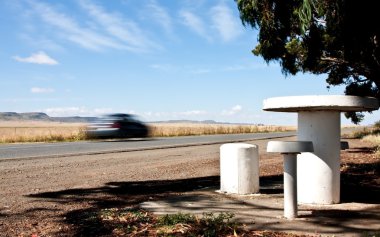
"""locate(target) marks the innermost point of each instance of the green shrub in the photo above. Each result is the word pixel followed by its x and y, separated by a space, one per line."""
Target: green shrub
pixel 173 219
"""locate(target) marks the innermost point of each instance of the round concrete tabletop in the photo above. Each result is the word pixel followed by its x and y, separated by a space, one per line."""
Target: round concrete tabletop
pixel 341 103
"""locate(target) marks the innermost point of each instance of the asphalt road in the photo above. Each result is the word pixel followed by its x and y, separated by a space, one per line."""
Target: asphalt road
pixel 62 149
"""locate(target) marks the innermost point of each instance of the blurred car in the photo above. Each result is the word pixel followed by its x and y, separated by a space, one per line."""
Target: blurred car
pixel 117 126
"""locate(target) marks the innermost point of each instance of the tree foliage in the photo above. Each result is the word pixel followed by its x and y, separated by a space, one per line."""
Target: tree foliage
pixel 340 38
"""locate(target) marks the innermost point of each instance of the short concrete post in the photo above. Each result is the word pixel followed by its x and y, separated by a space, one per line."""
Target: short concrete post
pixel 290 151
pixel 344 145
pixel 239 168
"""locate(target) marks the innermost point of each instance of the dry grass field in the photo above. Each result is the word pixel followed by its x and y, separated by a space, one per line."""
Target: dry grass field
pixel 374 139
pixel 37 131
pixel 189 129
pixel 371 135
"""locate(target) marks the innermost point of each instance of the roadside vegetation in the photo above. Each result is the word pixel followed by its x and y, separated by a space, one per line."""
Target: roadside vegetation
pixel 371 135
pixel 190 129
pixel 32 131
pixel 18 132
pixel 129 222
pixel 35 131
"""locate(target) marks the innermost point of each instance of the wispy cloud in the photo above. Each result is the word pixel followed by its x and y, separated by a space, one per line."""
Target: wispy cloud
pixel 76 111
pixel 100 31
pixel 68 28
pixel 200 71
pixel 225 22
pixel 196 69
pixel 165 67
pixel 161 16
pixel 234 110
pixel 41 41
pixel 39 90
pixel 220 20
pixel 250 66
pixel 193 112
pixel 37 58
pixel 119 27
pixel 195 23
pixel 188 69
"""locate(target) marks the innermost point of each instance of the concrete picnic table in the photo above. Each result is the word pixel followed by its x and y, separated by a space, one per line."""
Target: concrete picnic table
pixel 318 173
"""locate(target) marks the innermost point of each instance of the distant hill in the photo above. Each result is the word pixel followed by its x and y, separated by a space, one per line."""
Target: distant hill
pixel 204 122
pixel 187 121
pixel 12 116
pixel 73 119
pixel 38 116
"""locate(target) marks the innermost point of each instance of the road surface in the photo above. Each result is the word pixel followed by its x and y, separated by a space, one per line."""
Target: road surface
pixel 62 149
pixel 37 196
pixel 50 196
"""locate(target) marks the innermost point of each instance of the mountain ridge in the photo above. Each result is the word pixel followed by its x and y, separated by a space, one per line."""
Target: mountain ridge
pixel 40 116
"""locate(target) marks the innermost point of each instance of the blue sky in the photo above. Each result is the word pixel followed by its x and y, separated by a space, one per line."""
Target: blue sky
pixel 159 59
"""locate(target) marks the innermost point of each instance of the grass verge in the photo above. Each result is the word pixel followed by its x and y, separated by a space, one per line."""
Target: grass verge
pixel 191 129
pixel 371 135
pixel 41 134
pixel 132 222
pixel 57 132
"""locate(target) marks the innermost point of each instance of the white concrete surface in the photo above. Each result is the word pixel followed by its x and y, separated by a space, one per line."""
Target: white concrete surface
pixel 319 122
pixel 290 149
pixel 319 172
pixel 341 103
pixel 239 168
pixel 289 146
pixel 290 186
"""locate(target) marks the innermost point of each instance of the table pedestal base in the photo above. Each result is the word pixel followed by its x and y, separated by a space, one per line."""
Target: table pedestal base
pixel 319 172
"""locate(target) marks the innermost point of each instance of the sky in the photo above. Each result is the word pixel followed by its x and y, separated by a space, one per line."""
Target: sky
pixel 158 59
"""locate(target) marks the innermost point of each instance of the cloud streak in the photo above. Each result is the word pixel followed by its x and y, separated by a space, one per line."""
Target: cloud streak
pixel 99 29
pixel 119 28
pixel 102 31
pixel 37 58
pixel 193 113
pixel 195 23
pixel 161 16
pixel 233 111
pixel 224 21
pixel 39 90
pixel 69 29
pixel 219 21
pixel 76 111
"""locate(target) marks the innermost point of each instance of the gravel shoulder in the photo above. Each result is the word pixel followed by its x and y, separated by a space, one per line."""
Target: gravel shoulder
pixel 50 197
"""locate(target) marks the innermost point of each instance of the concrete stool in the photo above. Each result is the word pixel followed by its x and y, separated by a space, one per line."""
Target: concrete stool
pixel 344 145
pixel 290 150
pixel 239 168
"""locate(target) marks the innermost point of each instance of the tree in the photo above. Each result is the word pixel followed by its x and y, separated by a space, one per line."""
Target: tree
pixel 340 38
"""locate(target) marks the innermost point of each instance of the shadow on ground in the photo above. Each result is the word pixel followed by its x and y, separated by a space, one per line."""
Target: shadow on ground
pixel 359 184
pixel 116 195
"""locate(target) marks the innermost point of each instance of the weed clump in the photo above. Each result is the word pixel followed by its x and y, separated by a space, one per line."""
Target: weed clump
pixel 136 222
pixel 208 225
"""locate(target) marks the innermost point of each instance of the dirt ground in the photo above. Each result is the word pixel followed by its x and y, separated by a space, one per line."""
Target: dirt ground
pixel 60 196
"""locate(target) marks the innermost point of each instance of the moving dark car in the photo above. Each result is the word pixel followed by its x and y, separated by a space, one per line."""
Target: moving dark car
pixel 117 126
